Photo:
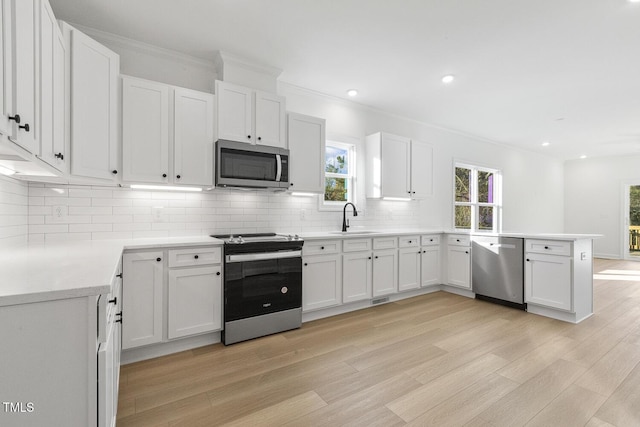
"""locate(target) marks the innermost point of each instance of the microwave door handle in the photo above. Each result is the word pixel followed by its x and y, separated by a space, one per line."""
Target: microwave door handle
pixel 278 167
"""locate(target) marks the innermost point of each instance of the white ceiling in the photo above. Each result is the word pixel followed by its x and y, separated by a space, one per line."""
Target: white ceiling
pixel 563 71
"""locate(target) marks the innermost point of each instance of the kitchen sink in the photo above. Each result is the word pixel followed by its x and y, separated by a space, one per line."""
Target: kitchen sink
pixel 344 233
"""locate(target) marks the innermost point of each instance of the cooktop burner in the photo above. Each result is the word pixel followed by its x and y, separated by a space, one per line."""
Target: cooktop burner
pixel 256 237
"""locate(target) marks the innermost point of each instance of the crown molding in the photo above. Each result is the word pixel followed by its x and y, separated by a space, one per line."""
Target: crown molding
pixel 143 47
pixel 223 57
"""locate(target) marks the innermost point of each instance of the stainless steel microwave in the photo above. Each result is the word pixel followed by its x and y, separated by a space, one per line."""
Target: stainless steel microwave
pixel 239 164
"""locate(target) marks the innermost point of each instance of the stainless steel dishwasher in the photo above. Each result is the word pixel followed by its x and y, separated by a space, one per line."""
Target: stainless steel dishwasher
pixel 497 270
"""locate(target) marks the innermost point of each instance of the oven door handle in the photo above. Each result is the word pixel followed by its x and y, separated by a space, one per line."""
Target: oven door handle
pixel 278 167
pixel 263 255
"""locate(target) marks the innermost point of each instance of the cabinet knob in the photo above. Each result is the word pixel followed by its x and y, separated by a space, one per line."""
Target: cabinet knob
pixel 196 256
pixel 409 241
pixel 369 257
pixel 249 136
pixel 158 259
pixel 25 127
pixel 305 264
pixel 457 240
pixel 291 183
pixel 528 260
pixel 15 118
pixel 59 156
pixel 466 252
pixel 217 273
pixel 115 172
pixel 376 256
pixel 546 247
pixel 164 175
pixel 259 138
pixel 177 176
pixel 322 247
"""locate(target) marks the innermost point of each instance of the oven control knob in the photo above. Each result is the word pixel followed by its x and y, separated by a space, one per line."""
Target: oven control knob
pixel 240 239
pixel 296 237
pixel 284 290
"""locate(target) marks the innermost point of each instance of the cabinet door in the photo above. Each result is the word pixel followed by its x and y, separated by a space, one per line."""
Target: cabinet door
pixel 195 301
pixel 145 131
pixel 430 271
pixel 6 79
pixel 25 73
pixel 385 272
pixel 270 120
pixel 395 166
pixel 142 298
pixel 421 170
pixel 321 281
pixel 52 90
pixel 107 377
pixel 234 112
pixel 356 276
pixel 459 266
pixel 409 268
pixel 548 281
pixel 193 137
pixel 306 153
pixel 94 113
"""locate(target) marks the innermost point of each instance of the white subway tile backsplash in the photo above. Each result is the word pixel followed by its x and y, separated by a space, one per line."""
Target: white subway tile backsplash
pixel 111 202
pixel 89 228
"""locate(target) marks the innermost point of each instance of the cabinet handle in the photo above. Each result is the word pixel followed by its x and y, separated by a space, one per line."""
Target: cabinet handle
pixel 217 273
pixel 120 319
pixel 119 275
pixel 114 301
pixel 196 256
pixel 158 259
pixel 164 175
pixel 25 127
pixel 59 156
pixel 115 172
pixel 177 176
pixel 15 118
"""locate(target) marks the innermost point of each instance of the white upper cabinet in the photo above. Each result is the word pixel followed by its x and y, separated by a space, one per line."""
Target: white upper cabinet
pixel 167 133
pixel 94 108
pixel 306 136
pixel 6 80
pixel 250 116
pixel 25 72
pixel 51 134
pixel 145 131
pixel 193 137
pixel 398 167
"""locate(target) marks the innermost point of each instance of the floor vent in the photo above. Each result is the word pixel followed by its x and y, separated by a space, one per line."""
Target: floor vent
pixel 379 300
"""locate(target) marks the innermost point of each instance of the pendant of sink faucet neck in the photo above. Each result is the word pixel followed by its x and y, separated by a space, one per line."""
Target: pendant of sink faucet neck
pixel 345 223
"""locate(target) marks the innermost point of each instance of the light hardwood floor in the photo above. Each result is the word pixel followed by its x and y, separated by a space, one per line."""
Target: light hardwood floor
pixel 434 360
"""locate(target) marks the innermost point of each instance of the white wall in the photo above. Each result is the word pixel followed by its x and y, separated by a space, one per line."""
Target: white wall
pixel 13 211
pixel 594 199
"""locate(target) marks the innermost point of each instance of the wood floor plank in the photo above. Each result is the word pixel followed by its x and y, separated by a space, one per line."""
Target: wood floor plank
pixel 609 372
pixel 622 408
pixel 164 414
pixel 574 407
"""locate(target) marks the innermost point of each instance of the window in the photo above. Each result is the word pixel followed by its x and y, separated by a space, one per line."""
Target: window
pixel 477 198
pixel 339 173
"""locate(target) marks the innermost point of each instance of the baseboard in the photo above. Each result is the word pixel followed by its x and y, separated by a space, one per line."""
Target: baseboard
pixel 162 349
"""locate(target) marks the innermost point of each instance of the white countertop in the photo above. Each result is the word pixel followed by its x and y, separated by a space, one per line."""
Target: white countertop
pixel 46 271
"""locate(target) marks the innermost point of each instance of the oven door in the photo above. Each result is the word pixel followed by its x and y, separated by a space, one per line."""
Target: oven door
pixel 253 287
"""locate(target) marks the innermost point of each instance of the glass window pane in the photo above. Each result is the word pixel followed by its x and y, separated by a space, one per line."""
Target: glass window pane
pixel 485 218
pixel 336 189
pixel 463 217
pixel 463 185
pixel 485 187
pixel 336 160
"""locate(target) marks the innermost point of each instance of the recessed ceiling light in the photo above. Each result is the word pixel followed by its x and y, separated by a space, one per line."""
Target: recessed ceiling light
pixel 634 1
pixel 352 92
pixel 545 144
pixel 584 156
pixel 448 78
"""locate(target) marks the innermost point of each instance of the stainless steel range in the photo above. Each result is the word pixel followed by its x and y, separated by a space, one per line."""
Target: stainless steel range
pixel 262 285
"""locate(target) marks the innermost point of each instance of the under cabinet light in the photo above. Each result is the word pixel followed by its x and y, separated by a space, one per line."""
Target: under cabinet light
pixel 301 194
pixel 163 187
pixel 401 199
pixel 6 171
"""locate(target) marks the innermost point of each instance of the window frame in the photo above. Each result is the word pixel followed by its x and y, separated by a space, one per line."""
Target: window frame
pixel 474 202
pixel 328 205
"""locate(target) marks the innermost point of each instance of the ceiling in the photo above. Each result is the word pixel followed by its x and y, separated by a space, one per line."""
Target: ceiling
pixel 562 71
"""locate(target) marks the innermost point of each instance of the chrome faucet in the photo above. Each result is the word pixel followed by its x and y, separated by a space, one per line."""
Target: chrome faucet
pixel 345 223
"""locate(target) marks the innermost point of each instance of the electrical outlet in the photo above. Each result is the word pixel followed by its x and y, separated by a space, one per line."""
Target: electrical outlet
pixel 60 213
pixel 156 214
pixel 303 214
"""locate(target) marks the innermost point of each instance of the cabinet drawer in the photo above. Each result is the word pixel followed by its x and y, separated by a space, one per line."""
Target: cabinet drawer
pixel 318 247
pixel 552 247
pixel 458 240
pixel 408 241
pixel 355 245
pixel 431 240
pixel 385 242
pixel 194 256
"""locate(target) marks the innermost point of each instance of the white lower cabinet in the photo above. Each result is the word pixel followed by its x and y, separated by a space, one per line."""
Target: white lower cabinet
pixel 385 272
pixel 357 281
pixel 409 263
pixel 143 279
pixel 430 260
pixel 321 281
pixel 194 301
pixel 548 280
pixel 459 261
